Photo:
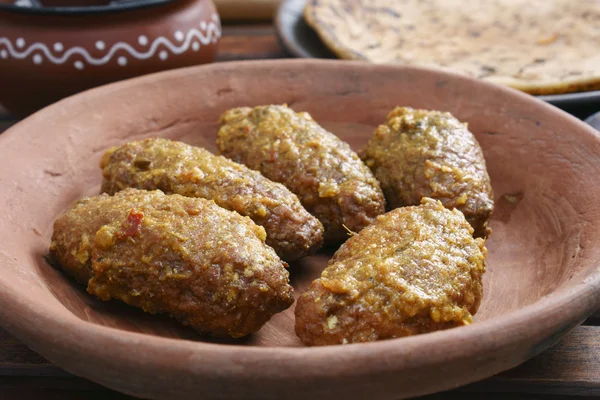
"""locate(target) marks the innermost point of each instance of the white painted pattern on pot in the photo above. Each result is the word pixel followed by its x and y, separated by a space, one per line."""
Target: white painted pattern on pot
pixel 207 33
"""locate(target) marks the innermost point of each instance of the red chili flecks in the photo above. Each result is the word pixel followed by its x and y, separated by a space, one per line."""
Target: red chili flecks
pixel 273 156
pixel 247 128
pixel 132 224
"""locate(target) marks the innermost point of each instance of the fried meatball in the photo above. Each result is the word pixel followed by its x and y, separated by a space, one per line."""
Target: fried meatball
pixel 176 167
pixel 420 153
pixel 414 270
pixel 205 266
pixel 288 147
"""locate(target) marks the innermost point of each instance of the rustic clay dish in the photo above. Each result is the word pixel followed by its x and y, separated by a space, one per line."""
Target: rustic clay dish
pixel 48 53
pixel 542 280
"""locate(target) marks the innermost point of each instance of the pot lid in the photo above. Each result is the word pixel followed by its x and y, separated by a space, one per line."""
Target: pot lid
pixel 37 7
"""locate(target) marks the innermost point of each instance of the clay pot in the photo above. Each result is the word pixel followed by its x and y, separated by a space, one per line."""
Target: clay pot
pixel 48 53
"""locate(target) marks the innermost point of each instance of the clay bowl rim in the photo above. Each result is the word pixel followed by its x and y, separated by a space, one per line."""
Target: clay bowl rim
pixel 83 10
pixel 553 313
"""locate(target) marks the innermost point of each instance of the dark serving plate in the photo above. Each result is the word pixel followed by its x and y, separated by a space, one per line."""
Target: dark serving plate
pixel 301 41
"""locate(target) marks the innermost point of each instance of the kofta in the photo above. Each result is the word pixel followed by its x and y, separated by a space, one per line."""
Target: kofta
pixel 207 267
pixel 288 147
pixel 178 168
pixel 421 153
pixel 414 270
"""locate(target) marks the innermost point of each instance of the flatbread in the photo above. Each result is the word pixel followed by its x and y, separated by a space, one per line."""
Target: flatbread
pixel 538 46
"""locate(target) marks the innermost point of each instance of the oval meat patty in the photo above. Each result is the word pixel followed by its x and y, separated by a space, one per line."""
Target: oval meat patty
pixel 205 266
pixel 176 167
pixel 421 153
pixel 288 147
pixel 414 270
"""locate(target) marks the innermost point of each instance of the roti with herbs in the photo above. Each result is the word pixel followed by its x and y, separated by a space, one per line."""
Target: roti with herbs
pixel 538 46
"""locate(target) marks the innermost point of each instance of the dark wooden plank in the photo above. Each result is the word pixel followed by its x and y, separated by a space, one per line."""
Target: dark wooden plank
pixel 5 124
pixel 246 10
pixel 50 383
pixel 15 388
pixel 16 359
pixel 249 47
pixel 258 29
pixel 461 395
pixel 66 389
pixel 572 367
pixel 594 319
pixel 59 394
pixel 19 388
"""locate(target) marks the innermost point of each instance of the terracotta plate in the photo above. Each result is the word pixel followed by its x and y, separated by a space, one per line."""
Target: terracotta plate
pixel 543 277
pixel 301 41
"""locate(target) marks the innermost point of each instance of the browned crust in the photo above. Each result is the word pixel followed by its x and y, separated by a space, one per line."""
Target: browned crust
pixel 414 270
pixel 178 168
pixel 205 266
pixel 328 177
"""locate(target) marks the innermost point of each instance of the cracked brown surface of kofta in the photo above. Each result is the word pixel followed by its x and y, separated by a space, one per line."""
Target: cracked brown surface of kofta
pixel 292 148
pixel 414 270
pixel 422 153
pixel 207 267
pixel 179 168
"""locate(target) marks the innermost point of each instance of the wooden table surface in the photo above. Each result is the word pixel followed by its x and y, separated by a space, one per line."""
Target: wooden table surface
pixel 572 367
